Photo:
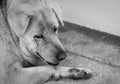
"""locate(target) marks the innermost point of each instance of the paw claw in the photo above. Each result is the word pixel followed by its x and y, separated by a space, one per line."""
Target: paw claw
pixel 77 74
pixel 87 75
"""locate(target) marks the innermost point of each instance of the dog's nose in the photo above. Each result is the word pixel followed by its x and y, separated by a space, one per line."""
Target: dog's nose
pixel 61 55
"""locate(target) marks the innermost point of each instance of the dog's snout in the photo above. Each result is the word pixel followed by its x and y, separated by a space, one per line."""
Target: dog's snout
pixel 61 55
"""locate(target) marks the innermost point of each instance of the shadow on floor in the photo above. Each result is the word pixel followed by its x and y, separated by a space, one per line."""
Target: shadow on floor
pixel 92 33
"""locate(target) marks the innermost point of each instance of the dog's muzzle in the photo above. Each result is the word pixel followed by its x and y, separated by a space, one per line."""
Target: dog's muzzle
pixel 59 56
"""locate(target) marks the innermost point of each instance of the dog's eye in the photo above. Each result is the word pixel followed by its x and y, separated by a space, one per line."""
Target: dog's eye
pixel 55 29
pixel 38 36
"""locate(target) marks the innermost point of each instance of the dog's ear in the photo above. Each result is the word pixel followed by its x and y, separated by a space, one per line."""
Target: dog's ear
pixel 17 21
pixel 58 11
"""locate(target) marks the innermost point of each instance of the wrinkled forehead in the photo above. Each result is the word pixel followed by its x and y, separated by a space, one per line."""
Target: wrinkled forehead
pixel 41 9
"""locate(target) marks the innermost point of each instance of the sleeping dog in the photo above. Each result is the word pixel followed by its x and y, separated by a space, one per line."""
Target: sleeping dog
pixel 30 50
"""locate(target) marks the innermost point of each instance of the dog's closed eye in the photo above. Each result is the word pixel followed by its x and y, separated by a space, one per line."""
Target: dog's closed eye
pixel 38 36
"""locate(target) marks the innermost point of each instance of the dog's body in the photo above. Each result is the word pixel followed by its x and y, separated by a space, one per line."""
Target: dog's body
pixel 28 34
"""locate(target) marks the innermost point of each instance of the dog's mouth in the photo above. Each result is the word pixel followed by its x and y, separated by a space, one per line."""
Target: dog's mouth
pixel 53 64
pixel 46 62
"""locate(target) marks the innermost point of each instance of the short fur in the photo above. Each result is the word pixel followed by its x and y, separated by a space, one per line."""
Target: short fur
pixel 28 37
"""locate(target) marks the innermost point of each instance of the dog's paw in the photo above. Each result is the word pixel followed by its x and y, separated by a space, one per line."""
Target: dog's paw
pixel 71 73
pixel 77 74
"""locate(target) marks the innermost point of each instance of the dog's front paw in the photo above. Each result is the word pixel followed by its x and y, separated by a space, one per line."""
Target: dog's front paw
pixel 71 73
pixel 77 74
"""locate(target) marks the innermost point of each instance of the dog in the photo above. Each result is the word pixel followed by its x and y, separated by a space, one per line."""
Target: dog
pixel 30 49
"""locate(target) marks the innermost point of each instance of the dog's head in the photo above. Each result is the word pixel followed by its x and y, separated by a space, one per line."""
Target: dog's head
pixel 36 24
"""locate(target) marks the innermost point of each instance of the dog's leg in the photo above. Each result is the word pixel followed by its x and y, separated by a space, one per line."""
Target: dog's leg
pixel 39 75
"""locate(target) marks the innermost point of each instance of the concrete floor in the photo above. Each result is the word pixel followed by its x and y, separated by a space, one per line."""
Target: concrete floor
pixel 93 50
